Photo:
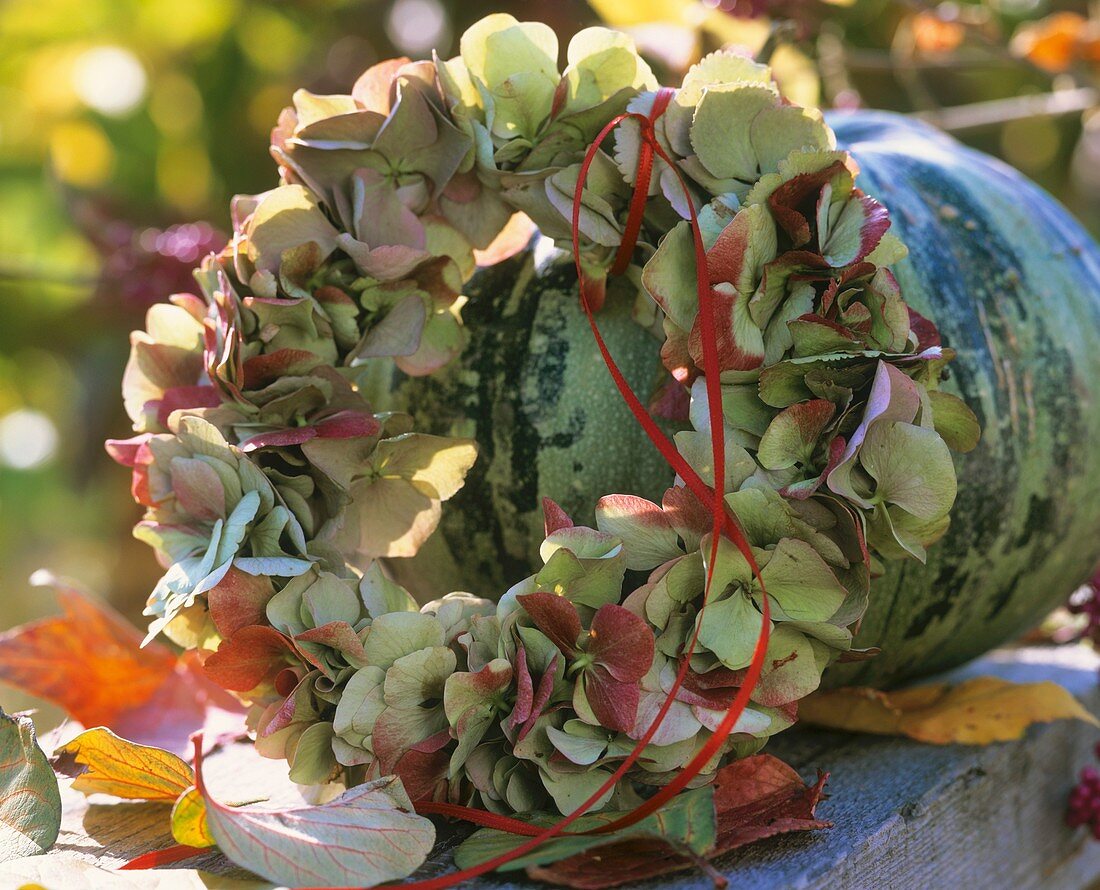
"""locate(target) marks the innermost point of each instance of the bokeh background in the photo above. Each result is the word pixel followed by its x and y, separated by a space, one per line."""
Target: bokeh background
pixel 127 125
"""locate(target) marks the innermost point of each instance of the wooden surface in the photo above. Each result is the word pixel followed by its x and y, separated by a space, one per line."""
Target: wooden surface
pixel 907 815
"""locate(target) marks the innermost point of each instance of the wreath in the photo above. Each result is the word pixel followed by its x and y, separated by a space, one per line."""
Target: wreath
pixel 671 638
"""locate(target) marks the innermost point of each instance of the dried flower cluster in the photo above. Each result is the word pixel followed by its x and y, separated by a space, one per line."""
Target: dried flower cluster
pixel 275 492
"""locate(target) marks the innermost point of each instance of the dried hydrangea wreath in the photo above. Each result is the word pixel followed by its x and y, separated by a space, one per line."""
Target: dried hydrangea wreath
pixel 275 492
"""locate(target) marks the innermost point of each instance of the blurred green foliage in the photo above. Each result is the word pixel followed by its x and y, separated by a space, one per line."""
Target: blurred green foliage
pixel 119 118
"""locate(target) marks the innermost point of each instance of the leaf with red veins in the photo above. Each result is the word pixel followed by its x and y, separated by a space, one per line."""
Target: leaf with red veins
pixel 89 661
pixel 556 617
pixel 614 702
pixel 525 690
pixel 554 517
pixel 542 697
pixel 180 397
pixel 239 600
pixel 260 370
pixel 366 836
pixel 621 643
pixel 253 655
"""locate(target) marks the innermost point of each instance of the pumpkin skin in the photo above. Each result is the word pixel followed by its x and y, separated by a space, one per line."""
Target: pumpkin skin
pixel 1013 283
pixel 532 389
pixel 1011 280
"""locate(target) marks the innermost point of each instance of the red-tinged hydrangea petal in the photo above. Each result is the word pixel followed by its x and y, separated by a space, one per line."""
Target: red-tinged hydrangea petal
pixel 525 691
pixel 927 333
pixel 793 204
pixel 715 689
pixel 180 397
pixel 554 517
pixel 556 617
pixel 125 451
pixel 261 370
pixel 252 655
pixel 239 600
pixel 280 438
pixel 672 401
pixel 614 703
pixel 622 643
pixel 732 356
pixel 542 697
pixel 423 770
pixel 338 635
pixel 348 425
pixel 875 223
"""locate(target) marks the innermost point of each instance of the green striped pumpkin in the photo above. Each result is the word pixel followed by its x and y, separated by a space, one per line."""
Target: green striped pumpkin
pixel 1012 281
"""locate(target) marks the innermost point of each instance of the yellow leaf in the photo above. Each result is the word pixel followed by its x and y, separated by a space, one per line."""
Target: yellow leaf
pixel 629 13
pixel 107 764
pixel 975 712
pixel 189 820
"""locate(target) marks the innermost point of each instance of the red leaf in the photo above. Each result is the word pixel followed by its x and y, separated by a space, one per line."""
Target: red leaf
pixel 621 642
pixel 685 510
pixel 554 517
pixel 927 333
pixel 239 600
pixel 556 617
pixel 424 773
pixel 614 703
pixel 671 401
pixel 89 661
pixel 155 858
pixel 252 655
pixel 762 796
